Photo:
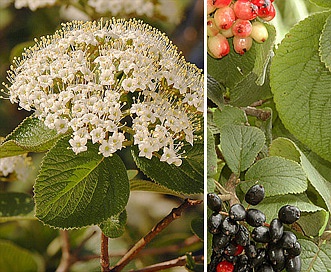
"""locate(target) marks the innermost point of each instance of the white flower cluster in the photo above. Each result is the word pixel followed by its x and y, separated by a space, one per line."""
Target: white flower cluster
pixel 115 83
pixel 18 165
pixel 33 4
pixel 167 9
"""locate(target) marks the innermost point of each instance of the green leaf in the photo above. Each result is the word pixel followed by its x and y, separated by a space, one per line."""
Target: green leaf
pixel 197 226
pixel 114 226
pixel 279 176
pixel 229 116
pixel 322 3
pixel 301 85
pixel 15 258
pixel 325 44
pixel 30 136
pixel 211 155
pixel 215 91
pixel 15 206
pixel 286 148
pixel 240 145
pixel 74 191
pixel 315 258
pixel 211 185
pixel 246 91
pixel 313 218
pixel 186 179
pixel 150 186
pixel 322 186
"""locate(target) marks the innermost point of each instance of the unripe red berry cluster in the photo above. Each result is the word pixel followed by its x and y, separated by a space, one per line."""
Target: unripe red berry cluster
pixel 237 19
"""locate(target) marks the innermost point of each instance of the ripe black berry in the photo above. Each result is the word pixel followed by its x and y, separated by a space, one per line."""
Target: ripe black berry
pixel 242 236
pixel 295 250
pixel 275 254
pixel 251 250
pixel 214 223
pixel 276 230
pixel 255 194
pixel 220 241
pixel 229 227
pixel 288 240
pixel 260 257
pixel 293 264
pixel 288 214
pixel 255 217
pixel 214 202
pixel 237 212
pixel 261 234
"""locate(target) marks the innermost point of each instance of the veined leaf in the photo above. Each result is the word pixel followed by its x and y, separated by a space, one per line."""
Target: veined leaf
pixel 240 145
pixel 315 258
pixel 301 85
pixel 30 136
pixel 185 179
pixel 14 206
pixel 150 186
pixel 286 148
pixel 279 176
pixel 322 3
pixel 114 226
pixel 215 91
pixel 197 226
pixel 74 191
pixel 229 116
pixel 325 43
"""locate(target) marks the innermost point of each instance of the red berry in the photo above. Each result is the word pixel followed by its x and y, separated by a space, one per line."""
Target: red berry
pixel 239 250
pixel 218 46
pixel 270 15
pixel 266 10
pixel 261 3
pixel 224 17
pixel 245 10
pixel 221 3
pixel 225 266
pixel 242 45
pixel 210 6
pixel 242 28
pixel 212 29
pixel 259 32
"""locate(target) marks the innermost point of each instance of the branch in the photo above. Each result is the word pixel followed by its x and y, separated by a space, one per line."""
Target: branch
pixel 66 259
pixel 230 186
pixel 180 261
pixel 104 257
pixel 259 113
pixel 174 214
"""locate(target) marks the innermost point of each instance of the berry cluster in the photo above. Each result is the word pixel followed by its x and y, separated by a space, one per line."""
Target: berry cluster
pixel 237 19
pixel 243 241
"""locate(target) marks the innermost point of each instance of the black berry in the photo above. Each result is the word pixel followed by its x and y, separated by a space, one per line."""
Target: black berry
pixel 288 240
pixel 293 264
pixel 214 223
pixel 229 227
pixel 255 217
pixel 276 230
pixel 214 202
pixel 237 212
pixel 288 214
pixel 261 234
pixel 242 236
pixel 255 194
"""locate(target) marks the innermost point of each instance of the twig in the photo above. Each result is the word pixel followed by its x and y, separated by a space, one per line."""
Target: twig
pixel 104 256
pixel 66 259
pixel 180 261
pixel 174 214
pixel 230 186
pixel 259 113
pixel 150 251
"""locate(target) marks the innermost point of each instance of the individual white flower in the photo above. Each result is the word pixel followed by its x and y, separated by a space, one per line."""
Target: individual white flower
pixel 105 80
pixel 78 144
